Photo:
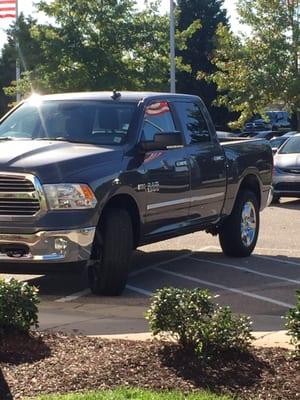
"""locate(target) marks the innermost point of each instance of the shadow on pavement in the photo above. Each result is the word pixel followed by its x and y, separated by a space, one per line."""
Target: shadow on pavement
pixel 65 282
pixel 93 315
pixel 5 392
pixel 289 205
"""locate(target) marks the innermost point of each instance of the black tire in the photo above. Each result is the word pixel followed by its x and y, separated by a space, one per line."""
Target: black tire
pixel 230 235
pixel 275 199
pixel 108 271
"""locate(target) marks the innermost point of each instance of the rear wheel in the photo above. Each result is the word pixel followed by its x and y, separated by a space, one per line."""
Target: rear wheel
pixel 108 271
pixel 239 232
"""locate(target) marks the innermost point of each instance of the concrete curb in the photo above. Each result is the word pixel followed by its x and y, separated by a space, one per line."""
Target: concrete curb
pixel 262 339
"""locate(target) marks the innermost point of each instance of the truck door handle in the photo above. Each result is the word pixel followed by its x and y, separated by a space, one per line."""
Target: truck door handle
pixel 181 163
pixel 218 158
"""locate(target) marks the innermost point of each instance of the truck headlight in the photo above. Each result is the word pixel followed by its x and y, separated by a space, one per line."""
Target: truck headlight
pixel 69 196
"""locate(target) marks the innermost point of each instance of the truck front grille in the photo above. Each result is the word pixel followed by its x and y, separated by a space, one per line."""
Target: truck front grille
pixel 15 184
pixel 18 195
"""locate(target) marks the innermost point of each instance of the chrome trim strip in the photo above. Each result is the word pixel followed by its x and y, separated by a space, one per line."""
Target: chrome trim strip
pixel 168 203
pixel 185 200
pixel 19 195
pixel 208 197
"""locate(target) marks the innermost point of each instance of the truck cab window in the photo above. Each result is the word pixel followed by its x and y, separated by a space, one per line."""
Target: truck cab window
pixel 194 124
pixel 157 118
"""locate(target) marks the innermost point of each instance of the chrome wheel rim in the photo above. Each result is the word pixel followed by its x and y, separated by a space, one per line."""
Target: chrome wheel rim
pixel 248 223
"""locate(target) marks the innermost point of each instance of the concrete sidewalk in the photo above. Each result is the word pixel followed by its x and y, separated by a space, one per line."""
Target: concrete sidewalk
pixel 263 339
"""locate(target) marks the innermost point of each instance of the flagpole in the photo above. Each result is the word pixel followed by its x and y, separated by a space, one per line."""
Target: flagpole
pixel 172 49
pixel 18 69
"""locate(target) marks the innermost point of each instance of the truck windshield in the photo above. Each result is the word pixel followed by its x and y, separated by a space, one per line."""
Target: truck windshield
pixel 95 122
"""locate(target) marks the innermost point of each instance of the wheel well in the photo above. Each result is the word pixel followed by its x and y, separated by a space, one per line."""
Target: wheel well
pixel 127 203
pixel 251 182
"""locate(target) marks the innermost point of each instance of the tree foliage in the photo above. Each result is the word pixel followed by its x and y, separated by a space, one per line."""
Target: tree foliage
pixel 199 51
pixel 263 69
pixel 30 55
pixel 101 45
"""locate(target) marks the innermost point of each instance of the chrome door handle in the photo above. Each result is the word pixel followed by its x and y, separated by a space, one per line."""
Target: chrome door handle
pixel 218 158
pixel 181 163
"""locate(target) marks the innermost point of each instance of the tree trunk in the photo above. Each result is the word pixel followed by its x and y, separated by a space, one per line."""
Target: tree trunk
pixel 298 120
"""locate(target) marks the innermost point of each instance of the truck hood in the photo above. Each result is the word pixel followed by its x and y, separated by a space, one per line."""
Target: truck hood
pixel 287 161
pixel 54 161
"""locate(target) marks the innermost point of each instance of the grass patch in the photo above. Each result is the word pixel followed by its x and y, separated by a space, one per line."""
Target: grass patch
pixel 133 394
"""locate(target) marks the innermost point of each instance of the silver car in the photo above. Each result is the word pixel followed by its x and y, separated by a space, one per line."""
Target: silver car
pixel 286 175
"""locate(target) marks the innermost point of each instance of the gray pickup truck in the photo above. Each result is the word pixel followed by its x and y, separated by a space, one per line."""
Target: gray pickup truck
pixel 88 177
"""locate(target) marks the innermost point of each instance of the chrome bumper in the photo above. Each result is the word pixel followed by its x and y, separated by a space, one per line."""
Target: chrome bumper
pixel 47 246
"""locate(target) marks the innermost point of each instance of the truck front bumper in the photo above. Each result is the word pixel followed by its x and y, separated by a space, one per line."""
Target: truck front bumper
pixel 47 246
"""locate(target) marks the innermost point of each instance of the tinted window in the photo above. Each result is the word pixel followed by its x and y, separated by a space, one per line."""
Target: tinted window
pixel 277 142
pixel 292 146
pixel 157 118
pixel 194 123
pixel 83 121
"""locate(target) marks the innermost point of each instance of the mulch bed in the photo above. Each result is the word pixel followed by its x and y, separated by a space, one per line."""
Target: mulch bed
pixel 51 363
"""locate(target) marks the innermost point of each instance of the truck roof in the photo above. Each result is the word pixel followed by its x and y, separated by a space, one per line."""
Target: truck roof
pixel 124 96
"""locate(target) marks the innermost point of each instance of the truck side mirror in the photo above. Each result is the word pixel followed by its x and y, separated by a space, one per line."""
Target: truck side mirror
pixel 162 141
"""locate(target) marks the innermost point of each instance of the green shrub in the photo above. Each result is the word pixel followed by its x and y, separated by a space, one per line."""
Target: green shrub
pixel 18 305
pixel 293 323
pixel 192 318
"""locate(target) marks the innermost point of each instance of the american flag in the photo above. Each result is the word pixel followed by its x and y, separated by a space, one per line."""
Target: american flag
pixel 8 8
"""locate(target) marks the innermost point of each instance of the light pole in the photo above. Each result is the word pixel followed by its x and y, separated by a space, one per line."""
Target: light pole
pixel 18 69
pixel 172 49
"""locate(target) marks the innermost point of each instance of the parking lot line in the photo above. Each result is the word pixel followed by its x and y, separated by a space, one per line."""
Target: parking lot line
pixel 85 292
pixel 251 271
pixel 73 296
pixel 281 250
pixel 277 260
pixel 139 290
pixel 188 254
pixel 229 289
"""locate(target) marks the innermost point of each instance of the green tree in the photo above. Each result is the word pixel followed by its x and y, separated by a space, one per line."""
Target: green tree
pixel 30 55
pixel 101 45
pixel 199 50
pixel 263 69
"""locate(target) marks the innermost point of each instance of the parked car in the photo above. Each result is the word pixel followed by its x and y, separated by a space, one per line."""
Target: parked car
pixel 277 121
pixel 88 177
pixel 264 135
pixel 225 135
pixel 256 125
pixel 276 142
pixel 286 175
pixel 291 133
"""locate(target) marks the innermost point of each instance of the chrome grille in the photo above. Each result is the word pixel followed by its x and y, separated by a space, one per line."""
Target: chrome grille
pixel 15 184
pixel 18 195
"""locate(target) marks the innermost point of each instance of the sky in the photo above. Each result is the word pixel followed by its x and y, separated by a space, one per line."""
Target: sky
pixel 26 6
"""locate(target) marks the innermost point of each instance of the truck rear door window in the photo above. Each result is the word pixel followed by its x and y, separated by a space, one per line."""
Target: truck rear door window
pixel 194 124
pixel 157 118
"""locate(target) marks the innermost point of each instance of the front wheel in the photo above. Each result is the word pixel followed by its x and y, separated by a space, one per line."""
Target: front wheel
pixel 275 199
pixel 239 232
pixel 108 270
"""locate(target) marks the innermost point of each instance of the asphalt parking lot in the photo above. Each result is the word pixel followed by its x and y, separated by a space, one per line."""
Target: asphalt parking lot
pixel 262 286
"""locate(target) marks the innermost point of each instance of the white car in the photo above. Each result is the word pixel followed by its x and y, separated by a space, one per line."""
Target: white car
pixel 286 175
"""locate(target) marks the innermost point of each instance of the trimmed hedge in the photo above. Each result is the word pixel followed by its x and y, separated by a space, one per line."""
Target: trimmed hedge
pixel 293 323
pixel 18 305
pixel 192 318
